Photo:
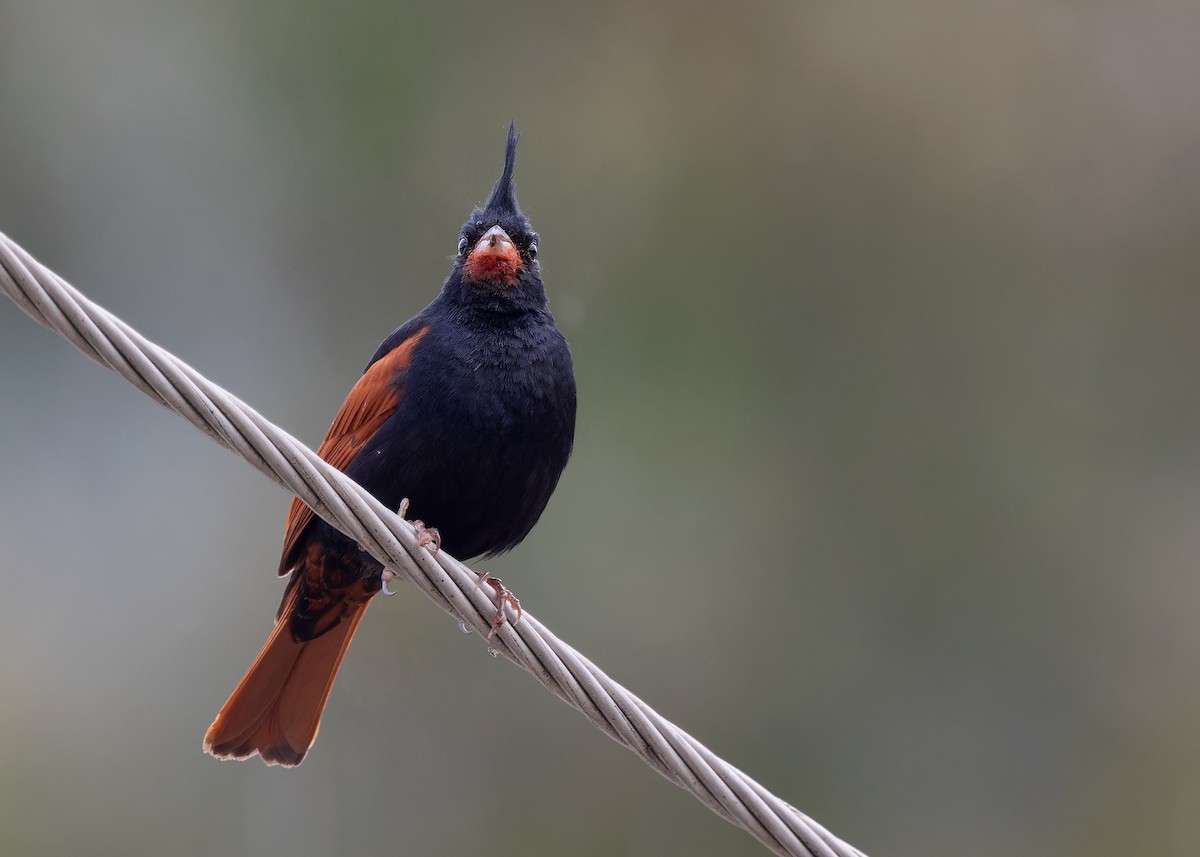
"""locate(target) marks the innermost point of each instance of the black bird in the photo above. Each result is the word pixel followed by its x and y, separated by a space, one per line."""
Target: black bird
pixel 468 412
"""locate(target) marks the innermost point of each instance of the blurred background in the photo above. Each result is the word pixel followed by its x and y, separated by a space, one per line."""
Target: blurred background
pixel 887 476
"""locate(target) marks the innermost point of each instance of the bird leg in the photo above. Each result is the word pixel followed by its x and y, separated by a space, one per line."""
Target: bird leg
pixel 426 536
pixel 503 596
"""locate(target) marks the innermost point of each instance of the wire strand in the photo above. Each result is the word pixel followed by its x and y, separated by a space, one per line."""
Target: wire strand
pixel 677 756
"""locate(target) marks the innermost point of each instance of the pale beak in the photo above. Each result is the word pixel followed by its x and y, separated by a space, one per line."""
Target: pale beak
pixel 494 242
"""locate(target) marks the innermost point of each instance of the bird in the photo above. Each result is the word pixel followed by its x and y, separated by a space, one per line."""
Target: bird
pixel 464 418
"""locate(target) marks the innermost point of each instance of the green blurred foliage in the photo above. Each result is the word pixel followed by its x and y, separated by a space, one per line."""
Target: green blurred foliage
pixel 886 485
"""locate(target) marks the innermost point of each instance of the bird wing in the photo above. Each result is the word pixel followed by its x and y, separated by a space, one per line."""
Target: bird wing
pixel 370 402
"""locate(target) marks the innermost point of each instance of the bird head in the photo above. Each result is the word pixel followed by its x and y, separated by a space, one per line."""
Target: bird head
pixel 497 247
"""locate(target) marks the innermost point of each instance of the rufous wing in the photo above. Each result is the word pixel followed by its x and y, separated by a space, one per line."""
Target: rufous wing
pixel 370 402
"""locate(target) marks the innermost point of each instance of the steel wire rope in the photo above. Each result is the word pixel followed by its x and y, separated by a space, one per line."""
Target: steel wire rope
pixel 676 755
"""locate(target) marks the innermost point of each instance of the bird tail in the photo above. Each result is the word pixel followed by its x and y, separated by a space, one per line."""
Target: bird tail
pixel 275 711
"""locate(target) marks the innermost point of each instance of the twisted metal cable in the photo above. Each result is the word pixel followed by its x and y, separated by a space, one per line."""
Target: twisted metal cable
pixel 570 676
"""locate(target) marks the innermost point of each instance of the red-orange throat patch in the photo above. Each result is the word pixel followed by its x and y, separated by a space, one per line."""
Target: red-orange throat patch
pixel 495 264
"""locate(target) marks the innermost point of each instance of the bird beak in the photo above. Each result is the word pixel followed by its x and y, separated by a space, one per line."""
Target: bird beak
pixel 494 242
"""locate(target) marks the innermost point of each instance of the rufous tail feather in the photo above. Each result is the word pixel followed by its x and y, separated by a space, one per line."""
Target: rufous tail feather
pixel 276 709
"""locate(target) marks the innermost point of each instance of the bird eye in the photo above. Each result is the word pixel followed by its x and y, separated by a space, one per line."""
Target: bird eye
pixel 462 245
pixel 533 250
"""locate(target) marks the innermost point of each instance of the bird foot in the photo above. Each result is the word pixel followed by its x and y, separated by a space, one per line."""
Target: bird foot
pixel 426 536
pixel 503 596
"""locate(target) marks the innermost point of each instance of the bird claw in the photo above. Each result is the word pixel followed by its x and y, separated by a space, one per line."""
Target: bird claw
pixel 503 596
pixel 426 536
pixel 387 577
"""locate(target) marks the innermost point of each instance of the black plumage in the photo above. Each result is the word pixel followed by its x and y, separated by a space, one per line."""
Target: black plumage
pixel 468 411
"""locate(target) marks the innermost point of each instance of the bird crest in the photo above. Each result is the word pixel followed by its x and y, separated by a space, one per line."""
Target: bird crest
pixel 504 194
